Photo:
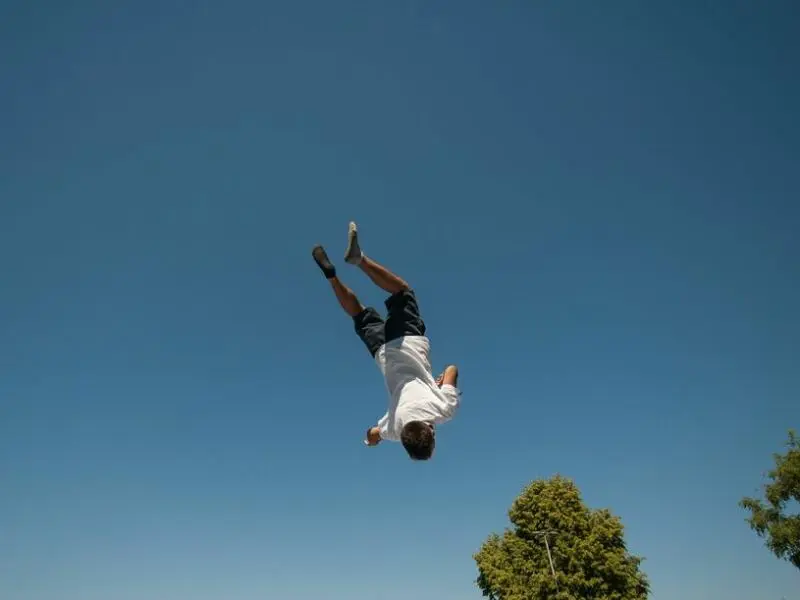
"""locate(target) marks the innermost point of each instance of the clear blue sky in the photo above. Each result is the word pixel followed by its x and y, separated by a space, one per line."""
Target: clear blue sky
pixel 598 208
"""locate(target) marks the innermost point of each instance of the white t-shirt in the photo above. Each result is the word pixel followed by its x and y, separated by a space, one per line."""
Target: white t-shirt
pixel 413 393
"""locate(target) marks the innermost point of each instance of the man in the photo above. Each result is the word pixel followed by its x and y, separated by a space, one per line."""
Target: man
pixel 418 402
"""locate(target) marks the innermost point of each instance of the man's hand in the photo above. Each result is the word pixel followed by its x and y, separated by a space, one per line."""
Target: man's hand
pixel 373 437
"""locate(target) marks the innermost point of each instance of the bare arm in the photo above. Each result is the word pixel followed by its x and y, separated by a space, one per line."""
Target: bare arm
pixel 448 377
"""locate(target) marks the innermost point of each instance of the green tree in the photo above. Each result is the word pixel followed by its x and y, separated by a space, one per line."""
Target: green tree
pixel 588 551
pixel 771 520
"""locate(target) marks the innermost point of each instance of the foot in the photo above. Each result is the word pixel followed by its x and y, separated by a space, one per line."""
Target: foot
pixel 323 262
pixel 353 254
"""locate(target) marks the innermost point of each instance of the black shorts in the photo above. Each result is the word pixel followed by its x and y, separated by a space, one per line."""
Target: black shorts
pixel 403 319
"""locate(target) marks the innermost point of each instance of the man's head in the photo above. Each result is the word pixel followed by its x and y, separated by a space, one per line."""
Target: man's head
pixel 418 439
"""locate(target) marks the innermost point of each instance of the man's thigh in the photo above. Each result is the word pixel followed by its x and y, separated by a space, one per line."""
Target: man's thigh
pixel 404 317
pixel 371 328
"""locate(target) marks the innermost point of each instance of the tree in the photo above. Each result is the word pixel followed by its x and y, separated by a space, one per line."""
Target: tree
pixel 771 520
pixel 587 548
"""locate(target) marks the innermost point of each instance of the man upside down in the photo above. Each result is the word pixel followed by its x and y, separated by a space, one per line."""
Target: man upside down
pixel 418 402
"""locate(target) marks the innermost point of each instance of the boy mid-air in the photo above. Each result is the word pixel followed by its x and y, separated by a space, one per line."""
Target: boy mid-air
pixel 418 402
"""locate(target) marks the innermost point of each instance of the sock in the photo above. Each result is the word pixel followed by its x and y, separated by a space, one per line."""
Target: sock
pixel 323 262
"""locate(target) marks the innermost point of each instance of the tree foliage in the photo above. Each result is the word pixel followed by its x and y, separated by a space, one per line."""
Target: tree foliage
pixel 771 519
pixel 589 554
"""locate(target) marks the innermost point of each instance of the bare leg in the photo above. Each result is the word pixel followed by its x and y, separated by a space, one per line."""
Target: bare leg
pixel 348 300
pixel 382 277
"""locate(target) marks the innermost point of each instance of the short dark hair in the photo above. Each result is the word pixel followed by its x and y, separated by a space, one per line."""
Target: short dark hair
pixel 418 439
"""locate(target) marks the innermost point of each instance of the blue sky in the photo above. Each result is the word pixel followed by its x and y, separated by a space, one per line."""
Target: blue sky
pixel 598 207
